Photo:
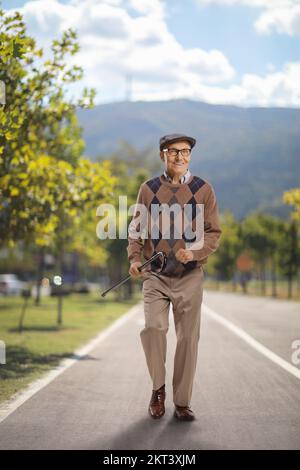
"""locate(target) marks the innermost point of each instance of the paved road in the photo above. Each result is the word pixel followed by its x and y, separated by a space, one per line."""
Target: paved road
pixel 242 399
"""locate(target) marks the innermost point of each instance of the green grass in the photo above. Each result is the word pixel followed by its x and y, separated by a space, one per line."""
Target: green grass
pixel 42 344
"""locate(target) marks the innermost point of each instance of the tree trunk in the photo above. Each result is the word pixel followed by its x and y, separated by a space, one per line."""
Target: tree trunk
pixel 22 316
pixel 243 282
pixel 40 275
pixel 59 308
pixel 290 286
pixel 274 278
pixel 61 287
pixel 263 278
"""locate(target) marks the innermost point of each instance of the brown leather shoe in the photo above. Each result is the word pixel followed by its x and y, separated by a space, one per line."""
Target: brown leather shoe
pixel 184 413
pixel 157 403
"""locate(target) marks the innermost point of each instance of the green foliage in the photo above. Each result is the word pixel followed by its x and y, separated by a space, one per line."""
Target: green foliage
pixel 224 262
pixel 272 243
pixel 261 234
pixel 292 197
pixel 131 170
pixel 46 185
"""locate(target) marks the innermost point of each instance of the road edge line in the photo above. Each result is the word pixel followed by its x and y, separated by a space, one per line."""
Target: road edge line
pixel 252 341
pixel 10 405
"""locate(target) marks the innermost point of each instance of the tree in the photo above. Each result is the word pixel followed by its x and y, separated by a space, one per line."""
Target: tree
pixel 46 185
pixel 256 233
pixel 131 170
pixel 36 122
pixel 290 253
pixel 224 263
pixel 292 197
pixel 292 256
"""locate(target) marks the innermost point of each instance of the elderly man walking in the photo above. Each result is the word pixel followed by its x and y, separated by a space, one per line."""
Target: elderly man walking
pixel 181 281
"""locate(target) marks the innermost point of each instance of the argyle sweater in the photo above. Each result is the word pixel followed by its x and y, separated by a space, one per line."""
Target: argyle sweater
pixel 159 190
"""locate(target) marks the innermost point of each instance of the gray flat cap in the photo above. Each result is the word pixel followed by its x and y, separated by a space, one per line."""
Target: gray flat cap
pixel 171 138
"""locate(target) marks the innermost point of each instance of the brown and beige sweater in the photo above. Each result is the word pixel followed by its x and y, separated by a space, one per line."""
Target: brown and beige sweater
pixel 159 190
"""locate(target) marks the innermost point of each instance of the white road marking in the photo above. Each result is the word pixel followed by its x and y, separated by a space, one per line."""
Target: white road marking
pixel 11 405
pixel 251 341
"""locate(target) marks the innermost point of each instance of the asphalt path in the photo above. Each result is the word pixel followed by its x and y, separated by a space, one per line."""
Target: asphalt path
pixel 243 397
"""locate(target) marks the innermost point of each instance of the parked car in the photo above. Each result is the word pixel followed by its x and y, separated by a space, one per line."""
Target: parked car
pixel 63 289
pixel 81 287
pixel 10 284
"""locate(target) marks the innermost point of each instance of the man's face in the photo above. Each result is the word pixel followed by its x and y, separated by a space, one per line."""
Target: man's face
pixel 176 164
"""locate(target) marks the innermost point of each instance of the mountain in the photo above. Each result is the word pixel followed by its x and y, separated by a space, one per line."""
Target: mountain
pixel 250 155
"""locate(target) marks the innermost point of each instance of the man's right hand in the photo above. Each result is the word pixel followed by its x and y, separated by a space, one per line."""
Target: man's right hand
pixel 133 270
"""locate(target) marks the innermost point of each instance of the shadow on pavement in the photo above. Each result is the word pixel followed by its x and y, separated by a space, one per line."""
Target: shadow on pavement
pixel 167 433
pixel 21 361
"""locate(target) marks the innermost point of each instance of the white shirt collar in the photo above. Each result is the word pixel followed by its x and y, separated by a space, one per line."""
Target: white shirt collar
pixel 183 178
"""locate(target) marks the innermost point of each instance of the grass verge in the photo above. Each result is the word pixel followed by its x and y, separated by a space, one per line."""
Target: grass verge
pixel 43 344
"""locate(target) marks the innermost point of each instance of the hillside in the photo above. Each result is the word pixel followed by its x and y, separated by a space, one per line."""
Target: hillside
pixel 251 155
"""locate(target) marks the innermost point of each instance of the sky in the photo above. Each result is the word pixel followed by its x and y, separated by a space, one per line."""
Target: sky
pixel 240 52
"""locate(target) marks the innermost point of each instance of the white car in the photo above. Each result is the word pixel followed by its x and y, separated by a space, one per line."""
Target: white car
pixel 11 285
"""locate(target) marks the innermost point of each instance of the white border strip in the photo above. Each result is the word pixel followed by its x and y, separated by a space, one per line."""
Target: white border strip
pixel 9 406
pixel 252 342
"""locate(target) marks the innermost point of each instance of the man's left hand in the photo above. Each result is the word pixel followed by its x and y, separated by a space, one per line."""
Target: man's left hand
pixel 184 256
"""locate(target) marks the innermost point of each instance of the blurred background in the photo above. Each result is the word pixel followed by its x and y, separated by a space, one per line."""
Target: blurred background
pixel 89 88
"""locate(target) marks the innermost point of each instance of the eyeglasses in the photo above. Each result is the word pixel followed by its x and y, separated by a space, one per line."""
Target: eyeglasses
pixel 172 152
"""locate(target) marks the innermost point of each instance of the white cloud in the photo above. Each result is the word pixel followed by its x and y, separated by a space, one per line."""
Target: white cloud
pixel 281 88
pixel 276 89
pixel 280 16
pixel 254 3
pixel 148 7
pixel 281 20
pixel 116 44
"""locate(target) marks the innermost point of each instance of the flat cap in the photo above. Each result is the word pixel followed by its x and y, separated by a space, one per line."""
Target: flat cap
pixel 171 138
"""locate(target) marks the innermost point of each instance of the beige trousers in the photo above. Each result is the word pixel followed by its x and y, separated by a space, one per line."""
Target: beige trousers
pixel 185 292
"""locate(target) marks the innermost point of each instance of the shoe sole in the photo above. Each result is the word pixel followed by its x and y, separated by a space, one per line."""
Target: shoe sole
pixel 155 416
pixel 185 418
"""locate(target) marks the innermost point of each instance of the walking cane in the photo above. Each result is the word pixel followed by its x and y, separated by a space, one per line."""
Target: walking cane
pixel 154 257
